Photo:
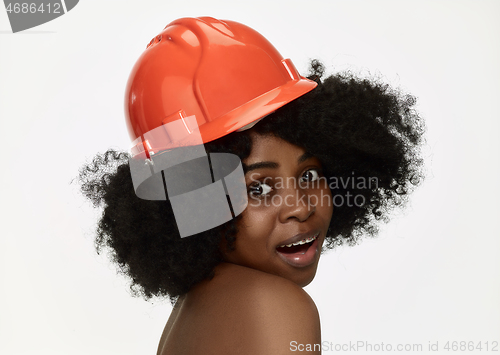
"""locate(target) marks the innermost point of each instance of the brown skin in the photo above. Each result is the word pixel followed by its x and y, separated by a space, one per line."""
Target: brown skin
pixel 255 303
pixel 284 169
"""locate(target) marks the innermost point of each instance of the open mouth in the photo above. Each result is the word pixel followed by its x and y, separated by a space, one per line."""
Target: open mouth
pixel 299 247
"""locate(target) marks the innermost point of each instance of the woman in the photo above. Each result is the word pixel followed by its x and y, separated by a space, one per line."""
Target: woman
pixel 322 162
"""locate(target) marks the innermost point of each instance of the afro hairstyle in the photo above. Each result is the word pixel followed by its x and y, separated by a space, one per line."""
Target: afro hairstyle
pixel 355 127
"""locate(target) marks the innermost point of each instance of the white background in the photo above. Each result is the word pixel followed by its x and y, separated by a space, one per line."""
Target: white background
pixel 433 274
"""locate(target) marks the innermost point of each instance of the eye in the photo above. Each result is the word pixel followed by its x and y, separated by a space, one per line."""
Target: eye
pixel 258 189
pixel 310 175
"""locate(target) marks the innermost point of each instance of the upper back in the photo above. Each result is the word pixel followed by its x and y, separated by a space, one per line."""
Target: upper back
pixel 241 311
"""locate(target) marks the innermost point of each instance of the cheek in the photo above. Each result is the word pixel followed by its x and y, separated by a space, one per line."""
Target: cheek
pixel 255 227
pixel 252 240
pixel 324 206
pixel 257 221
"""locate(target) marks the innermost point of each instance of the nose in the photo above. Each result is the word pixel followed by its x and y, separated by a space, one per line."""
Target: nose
pixel 296 205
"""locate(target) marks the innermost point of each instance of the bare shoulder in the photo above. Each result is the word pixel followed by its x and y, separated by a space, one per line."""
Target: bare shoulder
pixel 263 312
pixel 268 294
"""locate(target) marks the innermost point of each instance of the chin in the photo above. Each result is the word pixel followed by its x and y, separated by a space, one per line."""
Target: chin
pixel 303 278
pixel 305 283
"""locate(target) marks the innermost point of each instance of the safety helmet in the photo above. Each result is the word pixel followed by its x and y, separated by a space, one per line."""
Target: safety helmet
pixel 208 75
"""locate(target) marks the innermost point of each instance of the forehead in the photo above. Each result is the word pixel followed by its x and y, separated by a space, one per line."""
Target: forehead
pixel 272 149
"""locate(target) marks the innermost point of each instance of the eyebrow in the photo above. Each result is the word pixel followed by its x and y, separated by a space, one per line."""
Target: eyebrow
pixel 271 164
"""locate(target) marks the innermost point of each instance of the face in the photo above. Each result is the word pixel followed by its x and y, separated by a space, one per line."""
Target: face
pixel 282 230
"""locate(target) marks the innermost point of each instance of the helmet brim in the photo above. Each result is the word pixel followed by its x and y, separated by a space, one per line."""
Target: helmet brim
pixel 255 109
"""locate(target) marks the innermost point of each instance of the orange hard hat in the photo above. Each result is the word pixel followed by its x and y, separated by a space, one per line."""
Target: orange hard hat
pixel 208 75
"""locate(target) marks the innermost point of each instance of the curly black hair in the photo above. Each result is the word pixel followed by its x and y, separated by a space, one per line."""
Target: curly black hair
pixel 355 127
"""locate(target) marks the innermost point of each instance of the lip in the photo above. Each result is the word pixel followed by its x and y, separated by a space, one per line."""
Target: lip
pixel 301 260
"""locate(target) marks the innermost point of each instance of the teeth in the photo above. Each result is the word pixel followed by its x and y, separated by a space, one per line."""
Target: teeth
pixel 300 242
